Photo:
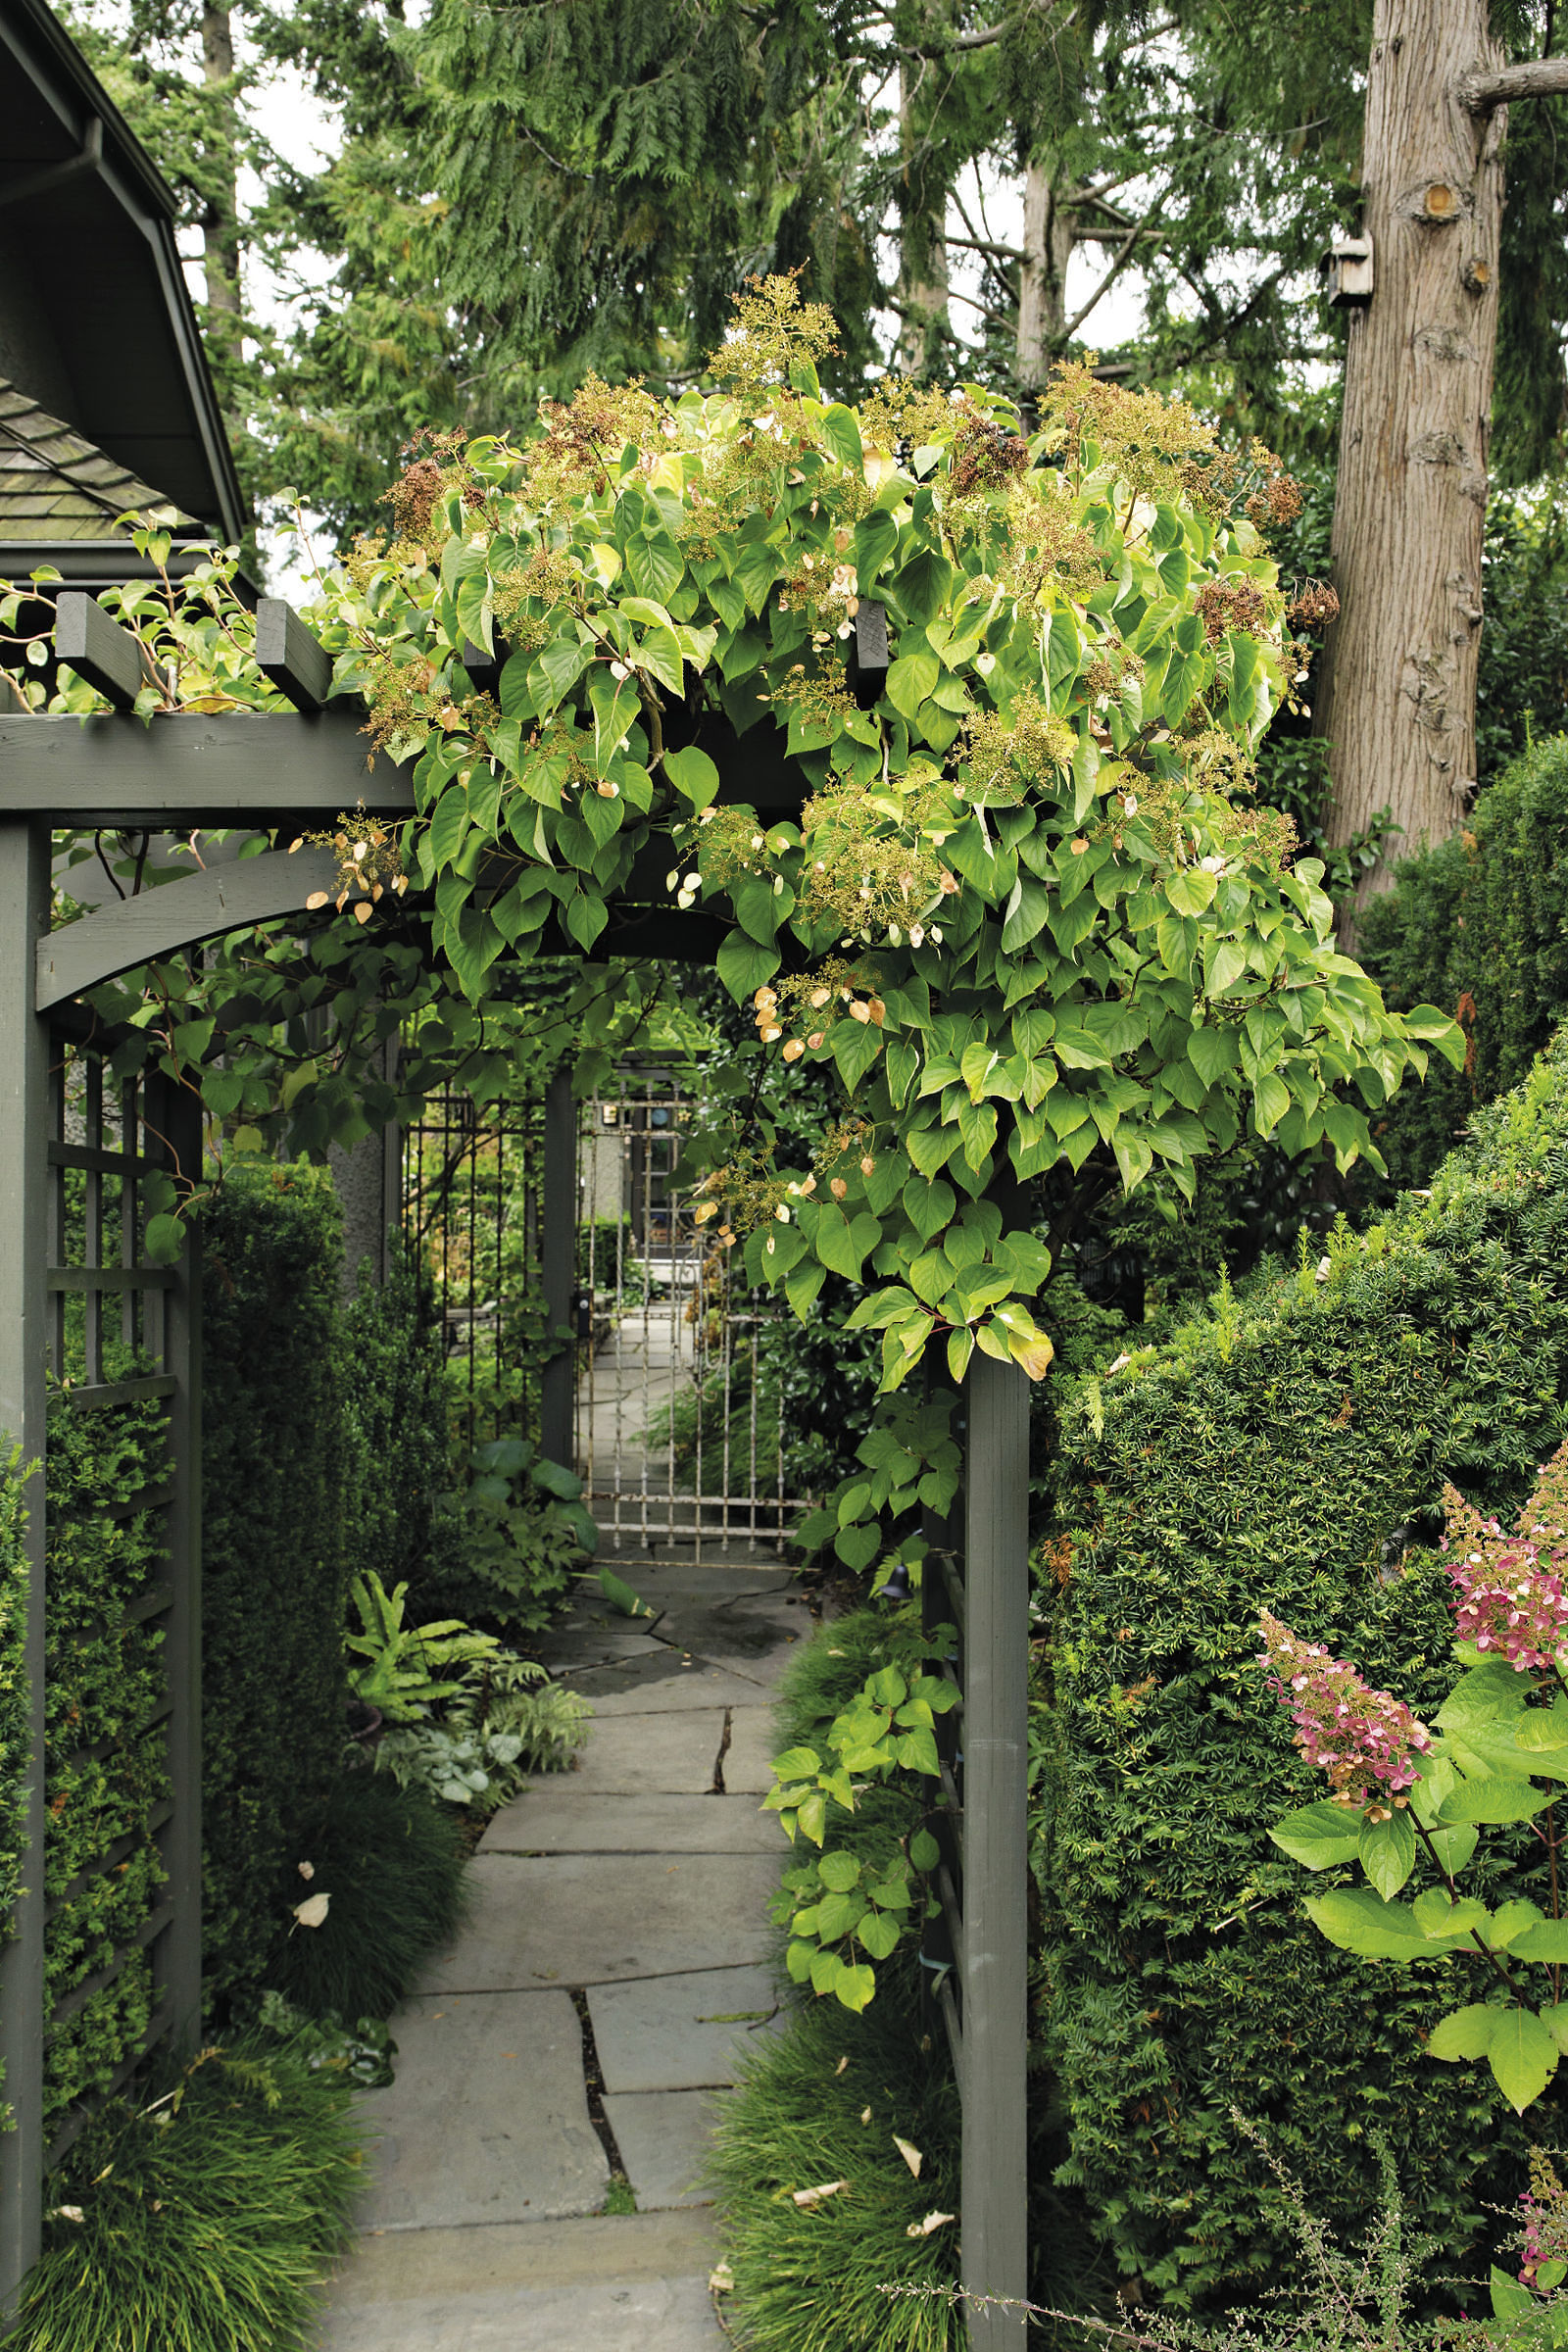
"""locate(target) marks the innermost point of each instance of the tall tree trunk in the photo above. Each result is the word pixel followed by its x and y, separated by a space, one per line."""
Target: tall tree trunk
pixel 1397 697
pixel 924 326
pixel 1048 236
pixel 221 227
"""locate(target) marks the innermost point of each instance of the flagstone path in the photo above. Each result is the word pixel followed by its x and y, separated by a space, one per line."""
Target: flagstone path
pixel 620 1924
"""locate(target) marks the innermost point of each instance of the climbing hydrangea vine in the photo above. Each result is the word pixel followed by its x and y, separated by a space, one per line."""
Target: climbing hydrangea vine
pixel 1026 911
pixel 1018 919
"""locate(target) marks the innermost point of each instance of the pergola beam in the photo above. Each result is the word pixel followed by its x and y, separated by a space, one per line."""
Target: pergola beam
pixel 190 771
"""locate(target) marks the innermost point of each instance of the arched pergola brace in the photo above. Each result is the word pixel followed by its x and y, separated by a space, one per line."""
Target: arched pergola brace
pixel 82 955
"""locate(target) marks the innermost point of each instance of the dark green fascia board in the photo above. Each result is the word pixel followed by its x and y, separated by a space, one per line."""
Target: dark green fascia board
pixel 189 770
pixel 108 564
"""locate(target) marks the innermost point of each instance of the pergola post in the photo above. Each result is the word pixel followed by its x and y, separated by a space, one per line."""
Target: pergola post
pixel 993 1949
pixel 24 884
pixel 177 1954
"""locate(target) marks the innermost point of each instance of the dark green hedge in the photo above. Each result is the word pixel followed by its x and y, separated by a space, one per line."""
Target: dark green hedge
pixel 13 1683
pixel 394 1403
pixel 275 1470
pixel 1479 925
pixel 103 1679
pixel 1275 1453
pixel 325 1448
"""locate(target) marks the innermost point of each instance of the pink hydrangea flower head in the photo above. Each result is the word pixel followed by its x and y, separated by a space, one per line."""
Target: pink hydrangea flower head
pixel 1367 1740
pixel 1545 2211
pixel 1508 1590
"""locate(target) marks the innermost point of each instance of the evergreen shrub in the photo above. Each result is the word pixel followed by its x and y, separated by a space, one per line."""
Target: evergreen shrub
pixel 324 1453
pixel 1284 1451
pixel 392 1861
pixel 277 1468
pixel 103 1773
pixel 1477 925
pixel 394 1403
pixel 13 1686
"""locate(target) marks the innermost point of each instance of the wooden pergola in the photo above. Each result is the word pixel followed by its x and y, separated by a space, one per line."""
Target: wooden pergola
pixel 292 772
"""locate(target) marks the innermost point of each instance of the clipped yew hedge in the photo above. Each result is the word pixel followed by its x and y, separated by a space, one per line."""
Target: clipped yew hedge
pixel 1289 1449
pixel 323 1449
pixel 274 1476
pixel 1478 924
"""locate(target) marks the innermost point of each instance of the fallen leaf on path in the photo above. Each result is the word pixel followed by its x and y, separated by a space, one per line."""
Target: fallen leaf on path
pixel 722 2280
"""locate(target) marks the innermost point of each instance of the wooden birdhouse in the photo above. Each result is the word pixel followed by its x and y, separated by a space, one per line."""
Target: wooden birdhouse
pixel 1347 270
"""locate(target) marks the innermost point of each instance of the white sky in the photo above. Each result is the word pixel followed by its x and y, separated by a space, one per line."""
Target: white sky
pixel 305 132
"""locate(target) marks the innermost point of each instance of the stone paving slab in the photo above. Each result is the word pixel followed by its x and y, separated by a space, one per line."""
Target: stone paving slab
pixel 487 2120
pixel 672 1753
pixel 663 1684
pixel 593 1647
pixel 682 2032
pixel 661 1582
pixel 605 2315
pixel 564 1820
pixel 402 2267
pixel 754 1740
pixel 748 1635
pixel 663 2138
pixel 590 1919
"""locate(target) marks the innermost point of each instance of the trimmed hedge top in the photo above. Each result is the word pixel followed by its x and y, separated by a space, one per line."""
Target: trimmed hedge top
pixel 1479 925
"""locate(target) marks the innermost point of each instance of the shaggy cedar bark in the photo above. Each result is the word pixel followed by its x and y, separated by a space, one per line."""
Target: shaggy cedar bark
pixel 1050 232
pixel 220 224
pixel 1397 697
pixel 922 197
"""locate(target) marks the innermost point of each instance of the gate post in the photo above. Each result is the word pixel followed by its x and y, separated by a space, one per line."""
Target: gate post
pixel 557 1237
pixel 24 887
pixel 993 1952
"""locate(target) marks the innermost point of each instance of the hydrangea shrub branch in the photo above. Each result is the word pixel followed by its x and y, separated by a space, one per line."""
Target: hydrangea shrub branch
pixel 1407 1798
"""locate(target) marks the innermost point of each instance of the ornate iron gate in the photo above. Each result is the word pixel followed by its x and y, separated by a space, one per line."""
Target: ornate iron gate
pixel 540 1215
pixel 681 1433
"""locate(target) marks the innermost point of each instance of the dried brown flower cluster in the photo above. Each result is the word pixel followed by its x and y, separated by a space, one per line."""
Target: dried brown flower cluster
pixel 435 468
pixel 369 863
pixel 985 455
pixel 1231 604
pixel 583 437
pixel 1312 607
